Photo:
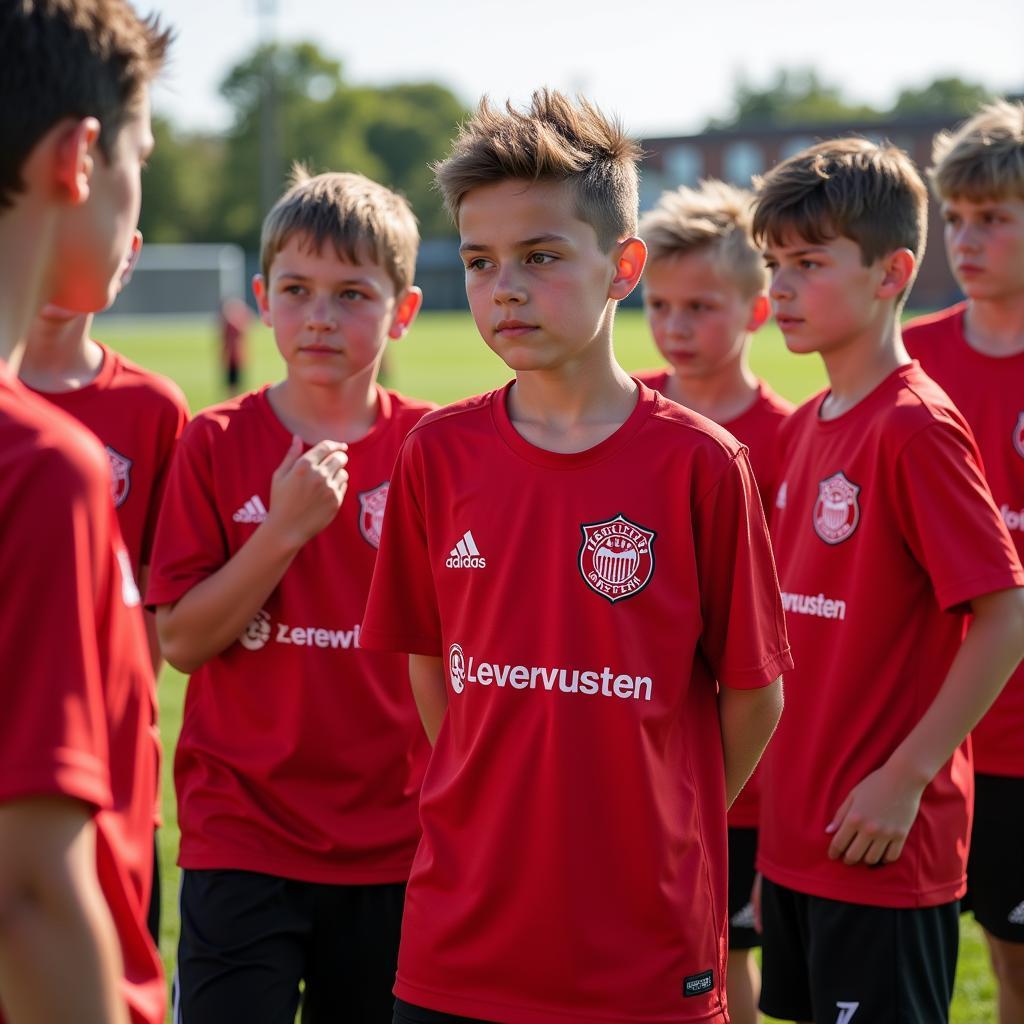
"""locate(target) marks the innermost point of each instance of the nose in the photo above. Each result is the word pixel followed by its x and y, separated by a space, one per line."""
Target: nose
pixel 679 324
pixel 964 237
pixel 321 315
pixel 509 286
pixel 781 286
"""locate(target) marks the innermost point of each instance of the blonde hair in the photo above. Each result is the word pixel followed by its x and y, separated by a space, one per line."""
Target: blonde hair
pixel 851 188
pixel 983 158
pixel 553 140
pixel 361 219
pixel 715 217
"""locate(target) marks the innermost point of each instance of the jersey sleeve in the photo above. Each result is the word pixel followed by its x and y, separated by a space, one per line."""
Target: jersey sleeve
pixel 57 541
pixel 948 518
pixel 174 420
pixel 191 543
pixel 744 634
pixel 401 610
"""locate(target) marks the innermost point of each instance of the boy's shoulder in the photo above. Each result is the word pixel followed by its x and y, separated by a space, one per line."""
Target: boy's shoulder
pixel 150 387
pixel 406 410
pixel 770 404
pixel 942 327
pixel 472 413
pixel 234 417
pixel 689 429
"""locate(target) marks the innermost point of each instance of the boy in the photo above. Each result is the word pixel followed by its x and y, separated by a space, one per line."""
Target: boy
pixel 78 754
pixel 704 295
pixel 299 762
pixel 886 534
pixel 975 352
pixel 562 558
pixel 112 396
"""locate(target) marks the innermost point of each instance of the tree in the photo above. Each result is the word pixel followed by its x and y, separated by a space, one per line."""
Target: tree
pixel 945 97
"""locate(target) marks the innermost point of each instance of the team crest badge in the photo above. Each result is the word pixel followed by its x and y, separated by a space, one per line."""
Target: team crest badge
pixel 120 476
pixel 371 513
pixel 837 511
pixel 1018 435
pixel 616 557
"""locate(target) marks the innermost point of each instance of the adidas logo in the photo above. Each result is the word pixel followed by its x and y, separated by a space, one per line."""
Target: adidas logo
pixel 743 918
pixel 1016 916
pixel 466 555
pixel 253 511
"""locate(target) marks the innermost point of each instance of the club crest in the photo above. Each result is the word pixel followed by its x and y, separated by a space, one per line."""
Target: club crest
pixel 1018 435
pixel 371 513
pixel 120 476
pixel 616 557
pixel 837 511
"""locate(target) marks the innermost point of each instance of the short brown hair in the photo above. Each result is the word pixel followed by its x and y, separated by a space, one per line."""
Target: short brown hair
pixel 361 219
pixel 983 158
pixel 69 58
pixel 553 140
pixel 850 188
pixel 715 217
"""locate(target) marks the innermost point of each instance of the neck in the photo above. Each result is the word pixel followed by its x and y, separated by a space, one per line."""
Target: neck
pixel 576 406
pixel 720 397
pixel 60 355
pixel 995 327
pixel 334 412
pixel 26 238
pixel 857 367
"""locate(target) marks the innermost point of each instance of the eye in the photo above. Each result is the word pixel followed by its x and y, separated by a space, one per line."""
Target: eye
pixel 809 264
pixel 293 289
pixel 478 264
pixel 352 295
pixel 540 258
pixel 951 218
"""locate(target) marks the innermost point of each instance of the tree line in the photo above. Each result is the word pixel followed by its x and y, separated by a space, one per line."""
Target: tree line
pixel 213 188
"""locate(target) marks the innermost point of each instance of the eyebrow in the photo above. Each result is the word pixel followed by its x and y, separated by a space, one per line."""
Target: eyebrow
pixel 524 244
pixel 294 275
pixel 808 250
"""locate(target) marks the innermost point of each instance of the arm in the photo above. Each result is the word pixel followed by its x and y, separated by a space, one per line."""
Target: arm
pixel 426 674
pixel 59 952
pixel 873 822
pixel 747 719
pixel 149 618
pixel 305 494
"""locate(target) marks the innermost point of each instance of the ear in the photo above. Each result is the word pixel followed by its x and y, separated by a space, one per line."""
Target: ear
pixel 631 255
pixel 897 270
pixel 128 268
pixel 259 290
pixel 405 311
pixel 72 158
pixel 760 311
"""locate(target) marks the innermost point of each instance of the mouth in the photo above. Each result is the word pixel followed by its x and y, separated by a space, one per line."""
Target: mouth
pixel 319 350
pixel 968 269
pixel 513 328
pixel 787 322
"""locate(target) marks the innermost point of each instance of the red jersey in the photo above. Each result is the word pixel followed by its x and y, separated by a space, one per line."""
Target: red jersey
pixel 989 391
pixel 300 754
pixel 79 701
pixel 884 530
pixel 138 416
pixel 755 427
pixel 573 860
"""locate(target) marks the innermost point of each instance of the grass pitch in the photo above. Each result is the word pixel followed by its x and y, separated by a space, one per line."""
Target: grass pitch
pixel 442 359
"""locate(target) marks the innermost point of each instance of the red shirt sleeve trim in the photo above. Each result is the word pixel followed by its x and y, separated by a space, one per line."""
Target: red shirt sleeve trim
pixel 755 678
pixel 399 643
pixel 952 598
pixel 69 773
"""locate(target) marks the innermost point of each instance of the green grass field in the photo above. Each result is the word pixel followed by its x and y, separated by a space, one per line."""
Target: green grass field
pixel 442 359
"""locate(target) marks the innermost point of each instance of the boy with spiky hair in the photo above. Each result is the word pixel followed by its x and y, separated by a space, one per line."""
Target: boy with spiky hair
pixel 704 296
pixel 300 756
pixel 975 351
pixel 887 535
pixel 566 560
pixel 78 752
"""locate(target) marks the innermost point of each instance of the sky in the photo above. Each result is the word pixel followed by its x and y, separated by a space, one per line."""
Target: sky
pixel 663 66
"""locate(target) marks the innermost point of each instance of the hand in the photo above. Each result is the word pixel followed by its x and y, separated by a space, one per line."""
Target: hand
pixel 755 902
pixel 872 824
pixel 306 490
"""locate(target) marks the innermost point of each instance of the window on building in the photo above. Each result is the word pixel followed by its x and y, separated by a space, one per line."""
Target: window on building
pixel 684 165
pixel 742 161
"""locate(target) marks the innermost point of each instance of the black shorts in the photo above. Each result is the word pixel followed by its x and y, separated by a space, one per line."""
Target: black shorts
pixel 826 960
pixel 407 1013
pixel 248 940
pixel 155 896
pixel 742 853
pixel 995 870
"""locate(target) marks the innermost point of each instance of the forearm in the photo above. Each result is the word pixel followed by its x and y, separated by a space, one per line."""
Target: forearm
pixel 213 614
pixel 152 635
pixel 747 719
pixel 426 676
pixel 59 952
pixel 991 650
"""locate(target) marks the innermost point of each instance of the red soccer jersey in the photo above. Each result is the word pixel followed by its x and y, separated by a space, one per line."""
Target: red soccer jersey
pixel 79 703
pixel 756 427
pixel 990 394
pixel 573 860
pixel 884 529
pixel 138 416
pixel 300 753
